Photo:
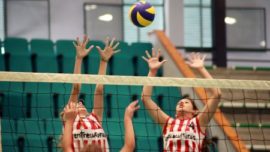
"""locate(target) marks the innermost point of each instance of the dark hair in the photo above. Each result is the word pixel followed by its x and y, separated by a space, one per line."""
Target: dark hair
pixel 82 101
pixel 186 96
pixel 209 144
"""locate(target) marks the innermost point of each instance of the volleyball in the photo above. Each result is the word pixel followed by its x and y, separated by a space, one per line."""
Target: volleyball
pixel 142 14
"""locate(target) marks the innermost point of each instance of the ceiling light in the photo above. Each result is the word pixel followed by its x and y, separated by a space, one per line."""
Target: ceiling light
pixel 262 43
pixel 230 20
pixel 106 17
pixel 90 7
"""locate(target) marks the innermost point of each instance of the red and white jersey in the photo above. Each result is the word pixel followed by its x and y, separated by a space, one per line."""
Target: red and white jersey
pixel 88 131
pixel 182 135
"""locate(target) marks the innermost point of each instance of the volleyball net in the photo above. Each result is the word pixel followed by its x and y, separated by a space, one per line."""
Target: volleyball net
pixel 30 104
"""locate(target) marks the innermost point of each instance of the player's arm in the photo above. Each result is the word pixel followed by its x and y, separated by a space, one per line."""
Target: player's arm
pixel 67 138
pixel 156 113
pixel 105 56
pixel 70 115
pixel 197 61
pixel 129 131
pixel 81 52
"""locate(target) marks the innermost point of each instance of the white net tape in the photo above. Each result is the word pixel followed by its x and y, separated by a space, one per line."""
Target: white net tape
pixel 133 80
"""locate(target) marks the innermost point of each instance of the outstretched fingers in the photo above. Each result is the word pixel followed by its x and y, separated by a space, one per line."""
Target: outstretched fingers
pixel 159 53
pixel 86 40
pixel 153 53
pixel 192 56
pixel 99 50
pixel 78 41
pixel 112 41
pixel 116 45
pixel 107 42
pixel 147 54
pixel 134 105
pixel 114 48
pixel 89 49
pixel 144 58
pixel 75 44
pixel 198 56
pixel 137 107
pixel 70 105
pixel 117 51
pixel 203 57
pixel 162 62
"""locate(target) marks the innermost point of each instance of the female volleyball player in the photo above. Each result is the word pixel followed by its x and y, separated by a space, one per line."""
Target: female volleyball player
pixel 186 131
pixel 87 127
pixel 71 113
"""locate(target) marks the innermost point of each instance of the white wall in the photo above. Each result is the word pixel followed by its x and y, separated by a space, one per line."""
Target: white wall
pixel 174 17
pixel 28 19
pixel 67 17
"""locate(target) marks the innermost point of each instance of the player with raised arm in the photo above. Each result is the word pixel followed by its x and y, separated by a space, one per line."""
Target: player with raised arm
pixel 87 126
pixel 186 131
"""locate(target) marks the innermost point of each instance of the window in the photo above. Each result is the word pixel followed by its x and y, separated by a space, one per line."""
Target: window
pixel 246 28
pixel 197 23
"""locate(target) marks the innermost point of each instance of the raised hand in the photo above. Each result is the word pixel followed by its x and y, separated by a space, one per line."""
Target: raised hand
pixel 81 50
pixel 109 50
pixel 196 60
pixel 153 62
pixel 131 108
pixel 70 112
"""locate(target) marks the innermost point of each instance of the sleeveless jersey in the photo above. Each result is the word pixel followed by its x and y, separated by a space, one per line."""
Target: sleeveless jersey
pixel 182 135
pixel 88 131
